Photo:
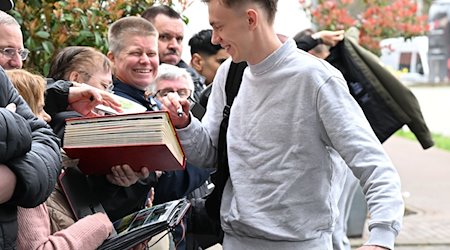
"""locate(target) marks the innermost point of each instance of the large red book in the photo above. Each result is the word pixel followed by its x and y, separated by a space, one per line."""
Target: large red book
pixel 139 140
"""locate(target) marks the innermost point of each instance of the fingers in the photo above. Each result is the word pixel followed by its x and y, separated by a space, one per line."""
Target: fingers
pixel 108 100
pixel 144 173
pixel 11 107
pixel 172 103
pixel 122 175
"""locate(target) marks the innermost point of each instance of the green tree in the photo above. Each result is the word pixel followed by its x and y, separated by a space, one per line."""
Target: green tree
pixel 50 25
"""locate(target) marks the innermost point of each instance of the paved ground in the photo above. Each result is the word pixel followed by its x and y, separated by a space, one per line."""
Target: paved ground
pixel 425 178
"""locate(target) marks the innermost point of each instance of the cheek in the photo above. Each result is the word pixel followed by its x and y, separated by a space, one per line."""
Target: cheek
pixel 162 46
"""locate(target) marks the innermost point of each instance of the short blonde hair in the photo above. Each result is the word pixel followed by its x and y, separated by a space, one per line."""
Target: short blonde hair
pixel 30 86
pixel 128 27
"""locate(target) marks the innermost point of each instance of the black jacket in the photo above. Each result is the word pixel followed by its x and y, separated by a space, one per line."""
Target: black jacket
pixel 56 106
pixel 386 102
pixel 31 150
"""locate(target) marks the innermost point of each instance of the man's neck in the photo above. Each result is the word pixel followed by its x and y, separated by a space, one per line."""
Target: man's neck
pixel 265 44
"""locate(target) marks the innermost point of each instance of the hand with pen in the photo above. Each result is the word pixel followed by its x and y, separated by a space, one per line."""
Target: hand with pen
pixel 178 109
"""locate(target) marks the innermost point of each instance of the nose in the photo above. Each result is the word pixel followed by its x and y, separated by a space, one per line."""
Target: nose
pixel 15 62
pixel 144 59
pixel 174 43
pixel 215 39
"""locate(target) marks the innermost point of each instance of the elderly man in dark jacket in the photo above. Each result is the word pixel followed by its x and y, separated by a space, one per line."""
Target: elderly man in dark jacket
pixel 29 160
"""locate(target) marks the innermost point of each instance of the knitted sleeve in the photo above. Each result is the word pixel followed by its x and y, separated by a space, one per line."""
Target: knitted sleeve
pixel 34 231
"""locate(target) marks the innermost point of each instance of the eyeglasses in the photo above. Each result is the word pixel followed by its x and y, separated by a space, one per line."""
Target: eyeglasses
pixel 106 85
pixel 183 93
pixel 11 52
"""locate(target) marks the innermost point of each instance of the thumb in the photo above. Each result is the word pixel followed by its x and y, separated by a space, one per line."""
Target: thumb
pixel 11 107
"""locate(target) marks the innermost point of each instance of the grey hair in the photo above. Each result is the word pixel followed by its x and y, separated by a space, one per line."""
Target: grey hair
pixel 7 19
pixel 171 72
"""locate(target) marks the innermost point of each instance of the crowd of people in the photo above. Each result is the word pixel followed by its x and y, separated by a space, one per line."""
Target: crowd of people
pixel 295 134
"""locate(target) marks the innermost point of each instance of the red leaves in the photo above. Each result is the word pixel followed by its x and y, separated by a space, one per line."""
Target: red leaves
pixel 381 19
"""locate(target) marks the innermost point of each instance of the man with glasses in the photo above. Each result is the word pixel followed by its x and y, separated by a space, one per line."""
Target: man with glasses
pixel 172 79
pixel 12 52
pixel 29 151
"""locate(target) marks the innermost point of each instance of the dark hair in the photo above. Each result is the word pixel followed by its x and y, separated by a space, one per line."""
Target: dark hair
pixel 201 43
pixel 77 58
pixel 153 11
pixel 269 5
pixel 299 36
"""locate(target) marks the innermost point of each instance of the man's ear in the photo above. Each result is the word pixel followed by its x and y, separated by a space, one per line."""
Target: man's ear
pixel 74 76
pixel 252 17
pixel 110 56
pixel 197 62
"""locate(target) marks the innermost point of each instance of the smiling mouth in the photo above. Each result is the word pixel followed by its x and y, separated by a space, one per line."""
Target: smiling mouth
pixel 143 71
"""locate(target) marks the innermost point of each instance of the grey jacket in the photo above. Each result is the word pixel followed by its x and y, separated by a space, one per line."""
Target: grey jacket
pixel 31 150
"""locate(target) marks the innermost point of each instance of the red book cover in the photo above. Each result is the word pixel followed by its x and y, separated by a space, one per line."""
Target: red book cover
pixel 139 140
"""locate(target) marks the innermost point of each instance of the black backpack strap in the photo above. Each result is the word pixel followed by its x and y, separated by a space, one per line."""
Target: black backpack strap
pixel 220 177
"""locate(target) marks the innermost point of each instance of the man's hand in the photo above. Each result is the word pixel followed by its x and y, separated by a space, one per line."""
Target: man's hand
pixel 11 107
pixel 172 102
pixel 125 176
pixel 84 98
pixel 330 38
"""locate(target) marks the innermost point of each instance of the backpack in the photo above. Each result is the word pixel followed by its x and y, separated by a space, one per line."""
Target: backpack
pixel 221 175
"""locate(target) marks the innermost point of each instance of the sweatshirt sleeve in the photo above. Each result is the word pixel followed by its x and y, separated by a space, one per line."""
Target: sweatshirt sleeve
pixel 34 231
pixel 351 135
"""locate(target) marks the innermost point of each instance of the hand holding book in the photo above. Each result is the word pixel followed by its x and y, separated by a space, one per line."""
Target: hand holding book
pixel 125 176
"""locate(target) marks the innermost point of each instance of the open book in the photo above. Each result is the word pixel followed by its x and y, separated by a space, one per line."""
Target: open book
pixel 130 230
pixel 146 223
pixel 139 140
pixel 126 105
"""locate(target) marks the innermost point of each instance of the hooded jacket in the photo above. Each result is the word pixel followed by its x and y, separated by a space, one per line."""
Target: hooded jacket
pixel 31 150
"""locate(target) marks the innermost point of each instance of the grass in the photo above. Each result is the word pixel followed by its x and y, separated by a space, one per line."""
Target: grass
pixel 440 141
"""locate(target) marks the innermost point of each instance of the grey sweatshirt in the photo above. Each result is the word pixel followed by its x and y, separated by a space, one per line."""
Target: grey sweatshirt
pixel 292 116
